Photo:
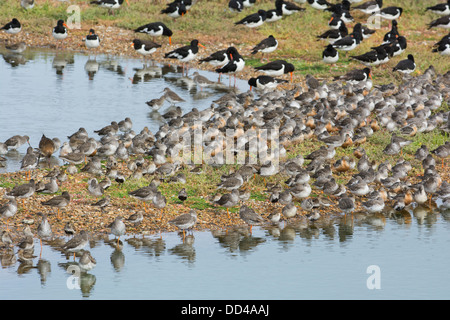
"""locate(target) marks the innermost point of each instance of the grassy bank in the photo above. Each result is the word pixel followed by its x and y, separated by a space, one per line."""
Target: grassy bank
pixel 212 23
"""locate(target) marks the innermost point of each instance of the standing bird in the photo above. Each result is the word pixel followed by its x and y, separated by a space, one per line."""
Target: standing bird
pixel 44 230
pixel 217 59
pixel 12 27
pixel 23 191
pixel 29 161
pixel 267 45
pixel 47 146
pixel 186 53
pixel 59 202
pixel 172 97
pixel 201 81
pixel 117 228
pixel 406 66
pixel 8 210
pixel 87 261
pixel 249 216
pixel 156 29
pixel 60 31
pixel 236 63
pixel 16 141
pixel 228 200
pixel 185 221
pixel 76 243
pixel 145 47
pixel 92 40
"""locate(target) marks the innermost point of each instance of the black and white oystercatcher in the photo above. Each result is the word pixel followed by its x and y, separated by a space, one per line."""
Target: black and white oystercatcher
pixel 267 45
pixel 236 63
pixel 186 53
pixel 92 40
pixel 355 76
pixel 253 20
pixel 145 47
pixel 369 7
pixel 60 31
pixel 217 59
pixel 264 82
pixel 175 9
pixel 389 13
pixel 109 4
pixel 277 68
pixel 235 5
pixel 351 41
pixel 330 54
pixel 442 22
pixel 406 66
pixel 12 27
pixel 441 8
pixel 287 7
pixel 156 29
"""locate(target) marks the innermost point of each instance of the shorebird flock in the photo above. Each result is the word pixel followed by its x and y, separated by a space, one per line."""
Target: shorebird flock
pixel 343 113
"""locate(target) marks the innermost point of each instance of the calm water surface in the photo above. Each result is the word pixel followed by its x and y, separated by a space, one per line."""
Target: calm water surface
pixel 55 95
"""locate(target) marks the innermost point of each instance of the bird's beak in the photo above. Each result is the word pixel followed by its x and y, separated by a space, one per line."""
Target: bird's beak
pixel 132 44
pixel 331 20
pixel 370 75
pixel 65 25
pixel 251 88
pixel 292 76
pixel 170 40
pixel 201 45
pixel 231 56
pixel 127 2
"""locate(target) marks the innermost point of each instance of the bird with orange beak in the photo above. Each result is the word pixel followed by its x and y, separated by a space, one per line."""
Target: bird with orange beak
pixel 186 53
pixel 60 31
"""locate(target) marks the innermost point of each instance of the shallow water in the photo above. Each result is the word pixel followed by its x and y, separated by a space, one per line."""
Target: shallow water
pixel 47 94
pixel 292 261
pixel 43 92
